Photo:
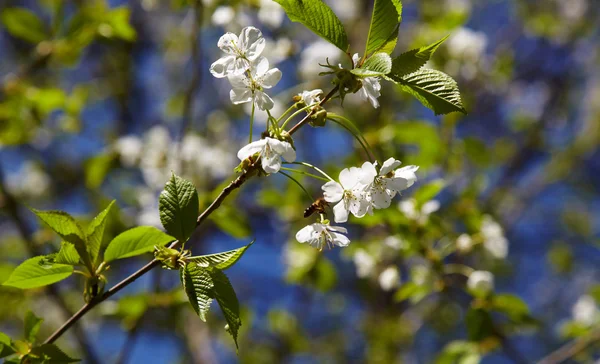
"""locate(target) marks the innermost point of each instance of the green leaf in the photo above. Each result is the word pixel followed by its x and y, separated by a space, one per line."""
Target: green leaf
pixel 95 232
pixel 429 191
pixel 31 274
pixel 385 21
pixel 202 285
pixel 379 64
pixel 32 325
pixel 511 305
pixel 118 18
pixel 319 18
pixel 65 225
pixel 479 324
pixel 413 60
pixel 66 255
pixel 96 169
pixel 434 89
pixel 136 241
pixel 51 354
pixel 179 207
pixel 24 24
pixel 5 345
pixel 222 260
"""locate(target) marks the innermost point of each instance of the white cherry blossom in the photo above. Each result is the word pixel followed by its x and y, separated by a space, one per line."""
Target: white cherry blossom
pixel 241 52
pixel 246 89
pixel 311 97
pixel 350 192
pixel 389 278
pixel 371 87
pixel 270 152
pixel 481 282
pixel 320 235
pixel 388 182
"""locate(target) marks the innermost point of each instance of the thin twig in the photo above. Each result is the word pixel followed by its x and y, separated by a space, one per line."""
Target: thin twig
pixel 571 349
pixel 307 117
pixel 10 204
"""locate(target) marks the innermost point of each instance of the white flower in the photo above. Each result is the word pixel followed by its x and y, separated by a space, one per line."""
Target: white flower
pixel 389 278
pixel 319 235
pixel 30 181
pixel 585 310
pixel 129 149
pixel 409 209
pixel 364 263
pixel 494 240
pixel 311 97
pixel 464 243
pixel 371 88
pixel 271 150
pixel 222 15
pixel 270 13
pixel 241 51
pixel 350 193
pixel 388 182
pixel 245 89
pixel 481 282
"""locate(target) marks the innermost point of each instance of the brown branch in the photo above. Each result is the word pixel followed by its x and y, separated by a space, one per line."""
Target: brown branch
pixel 572 348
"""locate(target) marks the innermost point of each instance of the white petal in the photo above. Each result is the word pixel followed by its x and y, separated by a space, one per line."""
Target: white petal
pixel 340 213
pixel 430 207
pixel 283 148
pixel 271 163
pixel 396 184
pixel 380 198
pixel 228 43
pixel 251 149
pixel 370 90
pixel 240 66
pixel 263 101
pixel 252 42
pixel 222 66
pixel 349 177
pixel 389 165
pixel 270 78
pixel 355 59
pixel 339 239
pixel 306 233
pixel 238 81
pixel 367 173
pixel 337 229
pixel 358 207
pixel 240 95
pixel 332 191
pixel 260 67
pixel 408 173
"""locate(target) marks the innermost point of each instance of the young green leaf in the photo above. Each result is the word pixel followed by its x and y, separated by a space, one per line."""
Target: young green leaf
pixel 136 241
pixel 319 18
pixel 413 60
pixel 222 260
pixel 479 324
pixel 434 89
pixel 32 325
pixel 95 232
pixel 51 354
pixel 6 348
pixel 202 285
pixel 429 191
pixel 511 305
pixel 66 255
pixel 198 285
pixel 31 274
pixel 65 225
pixel 385 21
pixel 379 64
pixel 24 24
pixel 178 207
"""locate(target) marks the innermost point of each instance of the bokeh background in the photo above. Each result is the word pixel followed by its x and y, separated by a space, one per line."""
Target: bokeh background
pixel 101 100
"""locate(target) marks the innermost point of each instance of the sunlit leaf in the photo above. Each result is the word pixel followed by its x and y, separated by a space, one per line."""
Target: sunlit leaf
pixel 136 241
pixel 383 32
pixel 178 206
pixel 31 274
pixel 222 260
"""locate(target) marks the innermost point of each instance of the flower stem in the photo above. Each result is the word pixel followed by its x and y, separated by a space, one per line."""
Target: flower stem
pixel 313 167
pixel 296 114
pixel 286 112
pixel 307 117
pixel 305 173
pixel 299 184
pixel 251 123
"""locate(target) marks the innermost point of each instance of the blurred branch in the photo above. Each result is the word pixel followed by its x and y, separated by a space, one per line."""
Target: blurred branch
pixel 572 348
pixel 10 205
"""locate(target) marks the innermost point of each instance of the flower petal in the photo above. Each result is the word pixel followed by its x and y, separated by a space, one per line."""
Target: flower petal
pixel 380 198
pixel 349 177
pixel 367 173
pixel 263 101
pixel 252 42
pixel 338 229
pixel 339 239
pixel 306 234
pixel 340 212
pixel 238 81
pixel 240 95
pixel 270 78
pixel 407 173
pixel 240 66
pixel 222 66
pixel 332 191
pixel 228 43
pixel 389 165
pixel 282 148
pixel 271 163
pixel 251 149
pixel 260 67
